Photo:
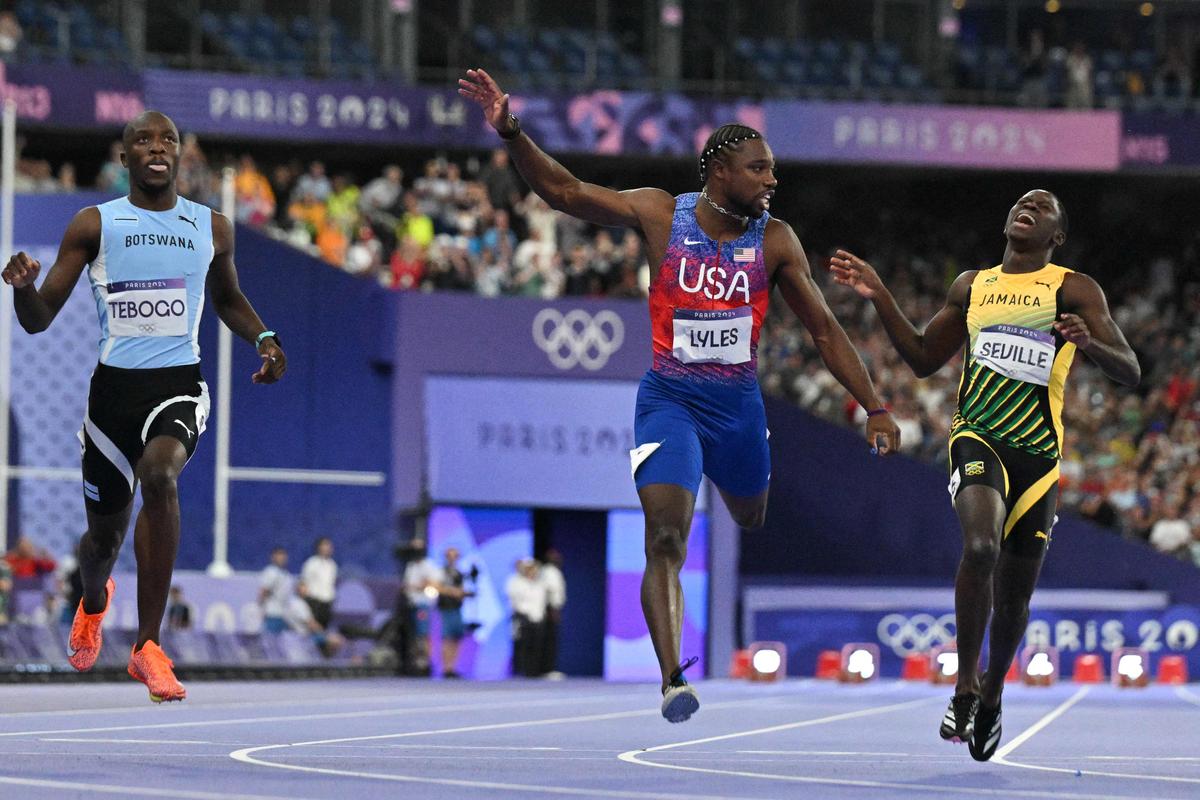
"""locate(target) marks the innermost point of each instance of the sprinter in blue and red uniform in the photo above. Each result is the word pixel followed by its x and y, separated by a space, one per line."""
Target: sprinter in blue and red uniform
pixel 716 256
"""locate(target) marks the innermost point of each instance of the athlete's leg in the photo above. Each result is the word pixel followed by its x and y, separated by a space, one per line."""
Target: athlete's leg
pixel 156 533
pixel 1016 576
pixel 98 549
pixel 748 512
pixel 981 514
pixel 668 509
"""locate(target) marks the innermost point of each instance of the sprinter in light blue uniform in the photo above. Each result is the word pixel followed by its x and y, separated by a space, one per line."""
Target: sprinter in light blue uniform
pixel 148 281
pixel 149 256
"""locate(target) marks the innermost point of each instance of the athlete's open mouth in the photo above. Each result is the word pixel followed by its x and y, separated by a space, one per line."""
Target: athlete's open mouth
pixel 765 198
pixel 158 166
pixel 1025 218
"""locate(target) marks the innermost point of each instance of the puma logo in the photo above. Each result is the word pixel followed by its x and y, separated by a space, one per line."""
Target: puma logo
pixel 185 427
pixel 1043 283
pixel 1042 535
pixel 191 222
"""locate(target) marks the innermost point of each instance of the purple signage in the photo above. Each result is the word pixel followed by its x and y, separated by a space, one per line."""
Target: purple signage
pixel 991 138
pixel 445 334
pixel 328 111
pixel 543 443
pixel 625 123
pixel 1160 140
pixel 628 652
pixel 71 97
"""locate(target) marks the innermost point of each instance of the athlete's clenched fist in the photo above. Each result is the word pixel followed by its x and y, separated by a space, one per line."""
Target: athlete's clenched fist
pixel 21 271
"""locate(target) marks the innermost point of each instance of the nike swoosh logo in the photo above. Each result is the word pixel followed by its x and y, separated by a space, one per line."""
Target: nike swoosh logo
pixel 691 242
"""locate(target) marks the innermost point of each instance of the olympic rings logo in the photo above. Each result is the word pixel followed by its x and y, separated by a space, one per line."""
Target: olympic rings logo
pixel 916 635
pixel 578 338
pixel 147 327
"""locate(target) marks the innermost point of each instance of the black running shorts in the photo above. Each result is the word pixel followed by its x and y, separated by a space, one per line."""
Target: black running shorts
pixel 126 409
pixel 1028 483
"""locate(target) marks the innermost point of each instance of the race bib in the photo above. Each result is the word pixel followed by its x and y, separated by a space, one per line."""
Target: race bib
pixel 155 307
pixel 713 337
pixel 1022 354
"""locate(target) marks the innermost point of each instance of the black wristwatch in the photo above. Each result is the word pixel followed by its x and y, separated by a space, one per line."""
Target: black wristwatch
pixel 514 129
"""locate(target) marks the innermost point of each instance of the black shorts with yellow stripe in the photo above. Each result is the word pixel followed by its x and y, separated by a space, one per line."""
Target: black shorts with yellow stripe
pixel 1028 483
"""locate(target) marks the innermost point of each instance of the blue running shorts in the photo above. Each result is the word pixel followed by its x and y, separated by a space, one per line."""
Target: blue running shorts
pixel 684 429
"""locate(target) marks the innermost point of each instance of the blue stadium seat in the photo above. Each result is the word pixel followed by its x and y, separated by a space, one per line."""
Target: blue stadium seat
pixel 485 38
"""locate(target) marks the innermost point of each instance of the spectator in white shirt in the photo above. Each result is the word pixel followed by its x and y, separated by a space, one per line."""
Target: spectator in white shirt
pixel 274 592
pixel 527 596
pixel 319 574
pixel 1171 534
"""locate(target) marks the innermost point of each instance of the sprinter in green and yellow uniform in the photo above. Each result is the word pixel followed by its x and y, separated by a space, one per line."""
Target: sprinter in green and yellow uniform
pixel 1021 324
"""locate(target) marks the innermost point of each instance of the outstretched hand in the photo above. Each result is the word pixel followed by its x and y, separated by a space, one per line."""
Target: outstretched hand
pixel 480 87
pixel 850 270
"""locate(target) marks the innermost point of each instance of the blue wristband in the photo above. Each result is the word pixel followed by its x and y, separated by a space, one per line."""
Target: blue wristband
pixel 876 412
pixel 264 335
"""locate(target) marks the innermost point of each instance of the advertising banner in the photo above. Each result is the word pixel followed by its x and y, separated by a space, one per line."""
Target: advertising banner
pixel 71 97
pixel 258 106
pixel 540 443
pixel 991 138
pixel 1160 140
pixel 628 651
pixel 905 630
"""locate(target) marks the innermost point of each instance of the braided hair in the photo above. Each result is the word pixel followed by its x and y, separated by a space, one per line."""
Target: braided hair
pixel 725 137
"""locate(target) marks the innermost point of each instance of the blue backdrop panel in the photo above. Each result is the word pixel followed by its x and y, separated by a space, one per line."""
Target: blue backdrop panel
pixel 837 511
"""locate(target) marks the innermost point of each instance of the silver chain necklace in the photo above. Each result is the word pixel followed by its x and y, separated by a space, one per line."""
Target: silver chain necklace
pixel 741 219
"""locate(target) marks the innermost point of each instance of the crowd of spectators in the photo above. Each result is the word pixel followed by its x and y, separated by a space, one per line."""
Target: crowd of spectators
pixel 455 227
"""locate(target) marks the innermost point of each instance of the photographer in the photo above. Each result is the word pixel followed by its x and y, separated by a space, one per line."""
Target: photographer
pixel 451 593
pixel 422 578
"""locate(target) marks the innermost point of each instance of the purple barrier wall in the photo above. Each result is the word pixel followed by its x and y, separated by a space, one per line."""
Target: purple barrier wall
pixel 838 512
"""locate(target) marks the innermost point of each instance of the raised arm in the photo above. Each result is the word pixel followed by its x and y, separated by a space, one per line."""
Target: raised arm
pixel 551 180
pixel 803 296
pixel 232 306
pixel 1090 326
pixel 36 308
pixel 924 351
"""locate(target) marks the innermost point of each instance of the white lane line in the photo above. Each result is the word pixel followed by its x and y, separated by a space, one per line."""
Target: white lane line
pixel 1000 756
pixel 633 757
pixel 286 687
pixel 136 741
pixel 1185 694
pixel 136 791
pixel 373 700
pixel 473 706
pixel 1033 729
pixel 819 753
pixel 246 755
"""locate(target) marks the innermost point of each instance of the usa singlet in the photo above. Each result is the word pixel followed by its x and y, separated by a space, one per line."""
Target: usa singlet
pixel 1008 430
pixel 148 282
pixel 699 409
